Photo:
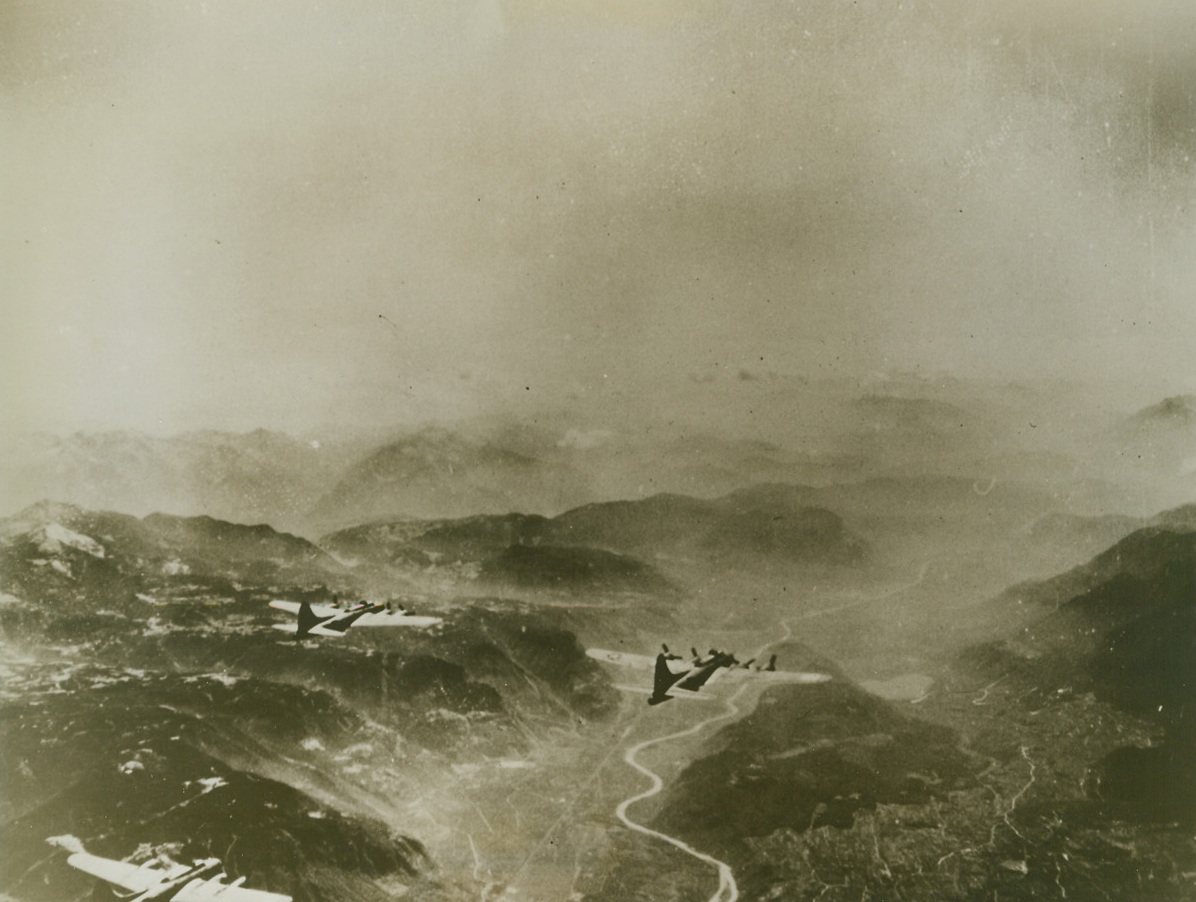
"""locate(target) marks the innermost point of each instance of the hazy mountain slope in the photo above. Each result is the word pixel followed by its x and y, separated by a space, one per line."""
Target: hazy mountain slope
pixel 570 569
pixel 487 467
pixel 748 528
pixel 1123 625
pixel 699 463
pixel 1146 554
pixel 474 538
pixel 809 757
pixel 253 477
pixel 552 460
pixel 1154 450
pixel 760 523
pixel 1179 518
pixel 1177 412
pixel 1123 629
pixel 50 547
pixel 437 473
pixel 1059 541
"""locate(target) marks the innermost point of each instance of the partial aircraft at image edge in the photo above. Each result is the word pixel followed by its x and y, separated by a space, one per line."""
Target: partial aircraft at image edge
pixel 177 882
pixel 332 621
pixel 673 678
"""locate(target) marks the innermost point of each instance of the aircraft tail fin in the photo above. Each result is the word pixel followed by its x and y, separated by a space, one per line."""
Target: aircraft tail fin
pixel 772 663
pixel 663 681
pixel 307 619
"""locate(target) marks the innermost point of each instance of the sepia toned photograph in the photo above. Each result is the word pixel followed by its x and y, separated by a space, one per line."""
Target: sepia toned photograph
pixel 598 450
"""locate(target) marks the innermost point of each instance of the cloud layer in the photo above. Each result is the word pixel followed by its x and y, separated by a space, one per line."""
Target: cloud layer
pixel 364 212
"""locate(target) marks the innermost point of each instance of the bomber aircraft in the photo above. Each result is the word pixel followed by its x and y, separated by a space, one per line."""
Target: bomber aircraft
pixel 333 620
pixel 177 882
pixel 672 678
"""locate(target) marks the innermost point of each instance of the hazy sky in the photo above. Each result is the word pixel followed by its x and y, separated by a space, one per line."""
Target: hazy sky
pixel 292 213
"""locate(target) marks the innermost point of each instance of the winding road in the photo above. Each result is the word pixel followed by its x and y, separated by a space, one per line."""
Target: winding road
pixel 727 890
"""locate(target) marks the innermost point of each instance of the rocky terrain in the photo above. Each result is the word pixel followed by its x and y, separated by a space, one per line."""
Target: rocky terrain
pixel 1009 712
pixel 147 699
pixel 1054 762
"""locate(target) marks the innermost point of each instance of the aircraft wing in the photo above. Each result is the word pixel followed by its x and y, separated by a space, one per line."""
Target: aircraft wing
pixel 779 676
pixel 132 877
pixel 291 607
pixel 200 890
pixel 622 658
pixel 783 676
pixel 395 618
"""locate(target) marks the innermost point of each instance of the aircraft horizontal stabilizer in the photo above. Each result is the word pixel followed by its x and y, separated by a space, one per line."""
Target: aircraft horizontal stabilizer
pixel 676 693
pixel 293 628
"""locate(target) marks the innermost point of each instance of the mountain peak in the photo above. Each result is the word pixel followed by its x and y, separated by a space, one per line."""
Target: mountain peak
pixel 42 513
pixel 1175 409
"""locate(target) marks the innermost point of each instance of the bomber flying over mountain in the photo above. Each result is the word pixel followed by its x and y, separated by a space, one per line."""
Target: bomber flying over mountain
pixel 673 678
pixel 177 882
pixel 333 620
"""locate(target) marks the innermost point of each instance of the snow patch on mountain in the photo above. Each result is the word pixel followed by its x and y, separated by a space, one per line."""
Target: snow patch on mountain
pixel 56 536
pixel 67 841
pixel 207 784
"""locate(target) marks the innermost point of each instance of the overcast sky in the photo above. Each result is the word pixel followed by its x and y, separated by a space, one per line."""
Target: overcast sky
pixel 287 214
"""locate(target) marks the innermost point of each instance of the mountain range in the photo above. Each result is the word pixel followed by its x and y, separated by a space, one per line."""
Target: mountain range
pixel 148 705
pixel 550 462
pixel 614 543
